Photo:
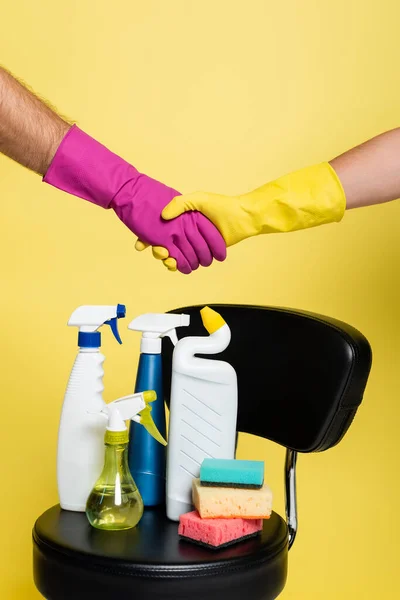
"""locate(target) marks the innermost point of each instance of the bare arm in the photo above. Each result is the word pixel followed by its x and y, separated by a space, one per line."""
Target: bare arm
pixel 370 173
pixel 30 131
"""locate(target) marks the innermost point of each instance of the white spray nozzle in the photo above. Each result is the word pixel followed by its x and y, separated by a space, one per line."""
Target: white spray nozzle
pixel 90 318
pixel 115 421
pixel 128 408
pixel 155 326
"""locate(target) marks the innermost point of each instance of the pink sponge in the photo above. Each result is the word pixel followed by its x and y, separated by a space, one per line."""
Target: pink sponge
pixel 217 533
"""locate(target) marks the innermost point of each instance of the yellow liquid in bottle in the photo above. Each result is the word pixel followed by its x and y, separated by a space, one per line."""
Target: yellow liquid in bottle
pixel 115 503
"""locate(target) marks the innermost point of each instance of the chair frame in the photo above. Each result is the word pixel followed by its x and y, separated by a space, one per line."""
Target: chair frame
pixel 291 494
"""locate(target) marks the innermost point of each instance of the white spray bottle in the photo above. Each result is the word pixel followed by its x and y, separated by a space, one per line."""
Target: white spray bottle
pixel 80 451
pixel 203 417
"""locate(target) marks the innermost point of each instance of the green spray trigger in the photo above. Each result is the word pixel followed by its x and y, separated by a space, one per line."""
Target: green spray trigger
pixel 145 419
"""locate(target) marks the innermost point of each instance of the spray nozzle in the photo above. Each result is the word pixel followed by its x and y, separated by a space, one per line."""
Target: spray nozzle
pixel 134 407
pixel 155 326
pixel 90 318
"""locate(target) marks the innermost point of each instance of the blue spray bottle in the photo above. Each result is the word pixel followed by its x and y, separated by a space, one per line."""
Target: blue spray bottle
pixel 146 457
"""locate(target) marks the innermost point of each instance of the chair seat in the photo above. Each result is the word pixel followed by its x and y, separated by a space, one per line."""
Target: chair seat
pixel 73 560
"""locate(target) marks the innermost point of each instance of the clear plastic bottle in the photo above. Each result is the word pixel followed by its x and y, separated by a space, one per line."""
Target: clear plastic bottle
pixel 115 502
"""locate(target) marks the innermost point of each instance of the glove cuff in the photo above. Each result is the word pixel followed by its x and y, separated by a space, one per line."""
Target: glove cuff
pixel 307 198
pixel 338 195
pixel 87 169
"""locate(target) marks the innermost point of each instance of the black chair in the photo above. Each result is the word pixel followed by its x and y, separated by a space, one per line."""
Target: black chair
pixel 305 375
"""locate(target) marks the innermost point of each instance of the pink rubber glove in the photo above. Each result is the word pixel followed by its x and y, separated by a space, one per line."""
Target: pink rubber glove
pixel 87 169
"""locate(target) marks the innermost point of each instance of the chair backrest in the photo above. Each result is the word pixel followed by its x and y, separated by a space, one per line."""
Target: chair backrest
pixel 301 376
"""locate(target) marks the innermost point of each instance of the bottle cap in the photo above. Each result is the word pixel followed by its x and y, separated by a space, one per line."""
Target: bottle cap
pixel 212 320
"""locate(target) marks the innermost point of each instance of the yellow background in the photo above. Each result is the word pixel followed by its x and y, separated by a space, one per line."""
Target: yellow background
pixel 221 95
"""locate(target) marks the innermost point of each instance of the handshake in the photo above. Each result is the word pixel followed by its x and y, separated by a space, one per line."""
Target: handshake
pixel 192 230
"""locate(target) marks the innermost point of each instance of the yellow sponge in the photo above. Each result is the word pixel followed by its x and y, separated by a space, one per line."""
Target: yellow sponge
pixel 232 503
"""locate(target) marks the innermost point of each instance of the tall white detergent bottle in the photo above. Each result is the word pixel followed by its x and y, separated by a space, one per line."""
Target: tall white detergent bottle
pixel 80 453
pixel 203 410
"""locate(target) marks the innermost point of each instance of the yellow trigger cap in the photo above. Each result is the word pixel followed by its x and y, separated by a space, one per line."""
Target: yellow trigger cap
pixel 149 396
pixel 212 320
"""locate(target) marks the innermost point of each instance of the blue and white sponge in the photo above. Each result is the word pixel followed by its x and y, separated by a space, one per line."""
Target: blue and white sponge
pixel 232 473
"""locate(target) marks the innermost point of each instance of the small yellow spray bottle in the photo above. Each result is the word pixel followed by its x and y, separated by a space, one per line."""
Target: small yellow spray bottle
pixel 115 502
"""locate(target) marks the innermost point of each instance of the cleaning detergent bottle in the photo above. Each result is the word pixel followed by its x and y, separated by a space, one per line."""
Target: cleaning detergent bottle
pixel 80 439
pixel 147 458
pixel 115 503
pixel 203 409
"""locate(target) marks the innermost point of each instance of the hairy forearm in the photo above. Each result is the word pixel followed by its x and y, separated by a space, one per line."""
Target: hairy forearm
pixel 370 173
pixel 30 131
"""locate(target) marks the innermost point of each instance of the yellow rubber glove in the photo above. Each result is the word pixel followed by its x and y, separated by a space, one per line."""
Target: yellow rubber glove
pixel 303 199
pixel 160 253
